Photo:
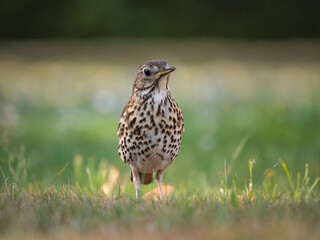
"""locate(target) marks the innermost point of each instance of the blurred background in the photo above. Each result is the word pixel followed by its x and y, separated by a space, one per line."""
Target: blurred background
pixel 247 81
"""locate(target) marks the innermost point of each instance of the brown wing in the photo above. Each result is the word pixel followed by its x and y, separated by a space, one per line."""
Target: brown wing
pixel 127 111
pixel 180 117
pixel 180 120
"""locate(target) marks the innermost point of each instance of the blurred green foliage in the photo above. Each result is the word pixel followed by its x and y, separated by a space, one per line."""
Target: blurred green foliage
pixel 59 111
pixel 165 18
pixel 235 130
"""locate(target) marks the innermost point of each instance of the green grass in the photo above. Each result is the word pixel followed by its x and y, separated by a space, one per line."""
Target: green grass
pixel 249 163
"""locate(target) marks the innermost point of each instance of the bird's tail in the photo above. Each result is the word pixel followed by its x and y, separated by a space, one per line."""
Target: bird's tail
pixel 145 178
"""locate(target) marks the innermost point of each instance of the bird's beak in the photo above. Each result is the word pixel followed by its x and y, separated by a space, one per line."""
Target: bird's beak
pixel 168 69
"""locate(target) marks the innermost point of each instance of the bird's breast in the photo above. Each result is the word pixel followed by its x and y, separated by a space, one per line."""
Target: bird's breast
pixel 151 133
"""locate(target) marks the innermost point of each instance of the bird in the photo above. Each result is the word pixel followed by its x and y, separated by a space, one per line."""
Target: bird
pixel 150 126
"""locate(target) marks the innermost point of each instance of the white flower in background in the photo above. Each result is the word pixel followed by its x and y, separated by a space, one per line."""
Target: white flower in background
pixel 104 101
pixel 8 115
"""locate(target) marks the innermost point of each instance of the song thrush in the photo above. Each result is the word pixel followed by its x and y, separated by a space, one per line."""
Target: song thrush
pixel 151 125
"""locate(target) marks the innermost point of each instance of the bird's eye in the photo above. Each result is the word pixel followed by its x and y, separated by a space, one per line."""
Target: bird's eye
pixel 147 72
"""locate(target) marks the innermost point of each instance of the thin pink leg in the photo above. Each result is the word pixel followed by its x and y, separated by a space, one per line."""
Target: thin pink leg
pixel 158 179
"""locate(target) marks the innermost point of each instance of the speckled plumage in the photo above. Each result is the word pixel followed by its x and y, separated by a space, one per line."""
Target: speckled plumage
pixel 151 125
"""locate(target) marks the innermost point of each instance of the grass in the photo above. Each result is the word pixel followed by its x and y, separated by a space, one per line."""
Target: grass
pixel 249 163
pixel 231 211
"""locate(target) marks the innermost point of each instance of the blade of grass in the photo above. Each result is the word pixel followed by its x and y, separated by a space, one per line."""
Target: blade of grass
pixel 4 178
pixel 274 192
pixel 255 185
pixel 90 178
pixel 297 192
pixel 60 172
pixel 306 175
pixel 288 174
pixel 239 148
pixel 314 185
pixel 251 163
pixel 226 181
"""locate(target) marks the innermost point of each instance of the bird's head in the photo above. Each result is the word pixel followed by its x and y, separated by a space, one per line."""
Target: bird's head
pixel 151 76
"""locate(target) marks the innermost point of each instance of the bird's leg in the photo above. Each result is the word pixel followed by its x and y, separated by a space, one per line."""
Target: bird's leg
pixel 159 179
pixel 136 179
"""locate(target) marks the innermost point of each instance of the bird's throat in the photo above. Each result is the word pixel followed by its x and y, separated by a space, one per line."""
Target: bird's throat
pixel 163 83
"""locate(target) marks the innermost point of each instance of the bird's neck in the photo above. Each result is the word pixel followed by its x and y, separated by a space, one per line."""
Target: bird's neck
pixel 156 94
pixel 160 90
